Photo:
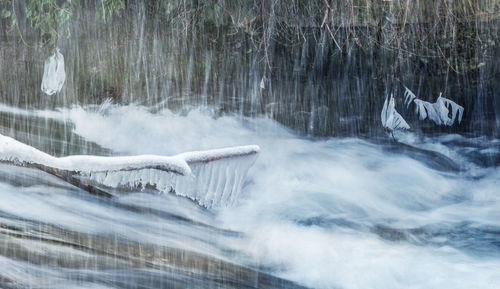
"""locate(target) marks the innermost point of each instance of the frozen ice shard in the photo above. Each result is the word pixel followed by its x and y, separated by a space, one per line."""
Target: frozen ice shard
pixel 391 119
pixel 54 73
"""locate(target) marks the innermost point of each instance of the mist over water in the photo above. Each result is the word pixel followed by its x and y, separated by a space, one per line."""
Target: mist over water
pixel 325 213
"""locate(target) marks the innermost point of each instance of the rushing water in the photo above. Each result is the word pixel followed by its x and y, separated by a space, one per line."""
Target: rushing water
pixel 324 213
pixel 331 202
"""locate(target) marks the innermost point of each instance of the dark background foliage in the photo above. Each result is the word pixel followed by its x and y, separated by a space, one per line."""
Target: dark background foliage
pixel 325 66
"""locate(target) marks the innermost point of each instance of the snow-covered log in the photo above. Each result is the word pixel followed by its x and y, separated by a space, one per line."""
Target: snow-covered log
pixel 212 178
pixel 391 119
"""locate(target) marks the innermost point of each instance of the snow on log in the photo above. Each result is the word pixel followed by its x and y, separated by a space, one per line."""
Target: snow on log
pixel 212 178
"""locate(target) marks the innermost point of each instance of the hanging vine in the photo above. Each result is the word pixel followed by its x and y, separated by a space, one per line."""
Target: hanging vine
pixel 50 19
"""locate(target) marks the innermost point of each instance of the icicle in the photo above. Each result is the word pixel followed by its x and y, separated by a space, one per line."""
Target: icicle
pixel 391 119
pixel 263 83
pixel 444 106
pixel 409 97
pixel 218 183
pixel 54 74
pixel 438 112
pixel 425 109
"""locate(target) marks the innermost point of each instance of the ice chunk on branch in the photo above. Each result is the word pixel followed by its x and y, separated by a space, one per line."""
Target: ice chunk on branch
pixel 448 111
pixel 218 175
pixel 54 74
pixel 409 97
pixel 391 119
pixel 212 178
pixel 443 112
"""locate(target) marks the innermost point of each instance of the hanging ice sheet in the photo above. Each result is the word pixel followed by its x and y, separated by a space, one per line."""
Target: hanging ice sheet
pixel 54 74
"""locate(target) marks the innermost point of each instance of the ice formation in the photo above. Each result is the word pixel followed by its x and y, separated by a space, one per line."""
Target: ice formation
pixel 391 119
pixel 54 74
pixel 409 97
pixel 212 178
pixel 442 112
pixel 216 183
